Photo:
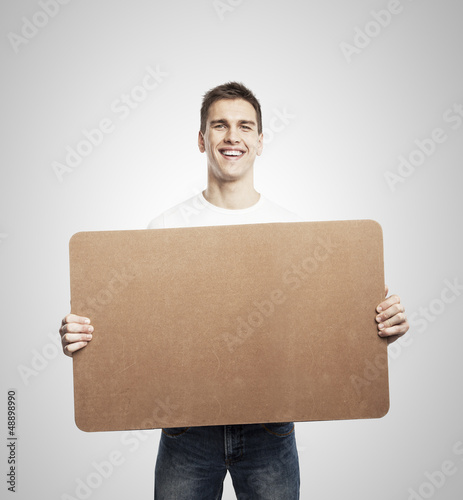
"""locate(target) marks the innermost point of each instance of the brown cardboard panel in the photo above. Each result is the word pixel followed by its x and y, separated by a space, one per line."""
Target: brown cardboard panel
pixel 229 325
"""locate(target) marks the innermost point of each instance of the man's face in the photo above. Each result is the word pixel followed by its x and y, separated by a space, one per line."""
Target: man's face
pixel 231 140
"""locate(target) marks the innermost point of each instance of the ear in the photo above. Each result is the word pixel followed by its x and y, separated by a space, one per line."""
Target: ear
pixel 201 145
pixel 260 144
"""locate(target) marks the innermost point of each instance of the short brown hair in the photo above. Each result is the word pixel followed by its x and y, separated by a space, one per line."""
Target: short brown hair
pixel 229 90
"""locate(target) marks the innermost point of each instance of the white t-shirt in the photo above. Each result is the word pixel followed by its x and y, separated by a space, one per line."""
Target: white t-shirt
pixel 197 211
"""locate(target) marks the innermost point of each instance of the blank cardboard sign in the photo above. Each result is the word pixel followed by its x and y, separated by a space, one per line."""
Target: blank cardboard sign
pixel 229 325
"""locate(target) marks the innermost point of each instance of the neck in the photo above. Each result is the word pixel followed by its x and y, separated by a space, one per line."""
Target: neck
pixel 232 195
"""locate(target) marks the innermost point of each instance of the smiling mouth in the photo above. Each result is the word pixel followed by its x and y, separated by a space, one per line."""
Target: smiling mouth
pixel 232 154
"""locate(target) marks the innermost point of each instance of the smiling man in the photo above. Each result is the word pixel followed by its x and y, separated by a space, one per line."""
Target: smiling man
pixel 231 139
pixel 261 458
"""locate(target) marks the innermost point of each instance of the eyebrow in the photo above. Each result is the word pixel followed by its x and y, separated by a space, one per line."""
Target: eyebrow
pixel 225 122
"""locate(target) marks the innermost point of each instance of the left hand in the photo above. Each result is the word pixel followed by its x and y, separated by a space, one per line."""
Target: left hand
pixel 392 322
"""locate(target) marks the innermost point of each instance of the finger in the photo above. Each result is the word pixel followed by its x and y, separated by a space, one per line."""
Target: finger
pixel 397 319
pixel 73 318
pixel 75 328
pixel 393 299
pixel 70 349
pixel 386 290
pixel 69 338
pixel 399 330
pixel 390 312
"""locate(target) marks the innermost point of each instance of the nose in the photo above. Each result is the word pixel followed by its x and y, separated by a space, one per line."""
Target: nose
pixel 232 136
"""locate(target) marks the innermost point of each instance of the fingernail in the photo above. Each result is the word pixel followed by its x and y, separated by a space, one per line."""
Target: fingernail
pixel 381 326
pixel 378 318
pixel 379 309
pixel 89 337
pixel 90 329
pixel 87 321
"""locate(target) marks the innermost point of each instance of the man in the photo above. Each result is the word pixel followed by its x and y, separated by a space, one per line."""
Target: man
pixel 262 459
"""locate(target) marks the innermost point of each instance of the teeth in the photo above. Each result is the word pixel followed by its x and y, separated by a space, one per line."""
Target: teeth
pixel 232 153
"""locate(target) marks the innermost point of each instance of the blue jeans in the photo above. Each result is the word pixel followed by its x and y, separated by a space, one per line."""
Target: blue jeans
pixel 261 458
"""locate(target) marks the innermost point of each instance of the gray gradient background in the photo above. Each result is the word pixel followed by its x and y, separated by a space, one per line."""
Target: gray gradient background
pixel 350 122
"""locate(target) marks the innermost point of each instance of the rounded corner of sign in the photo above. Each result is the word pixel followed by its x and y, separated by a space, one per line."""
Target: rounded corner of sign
pixel 81 425
pixel 74 237
pixel 375 225
pixel 385 410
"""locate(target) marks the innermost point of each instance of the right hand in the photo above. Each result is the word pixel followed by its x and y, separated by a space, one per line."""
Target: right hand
pixel 76 333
